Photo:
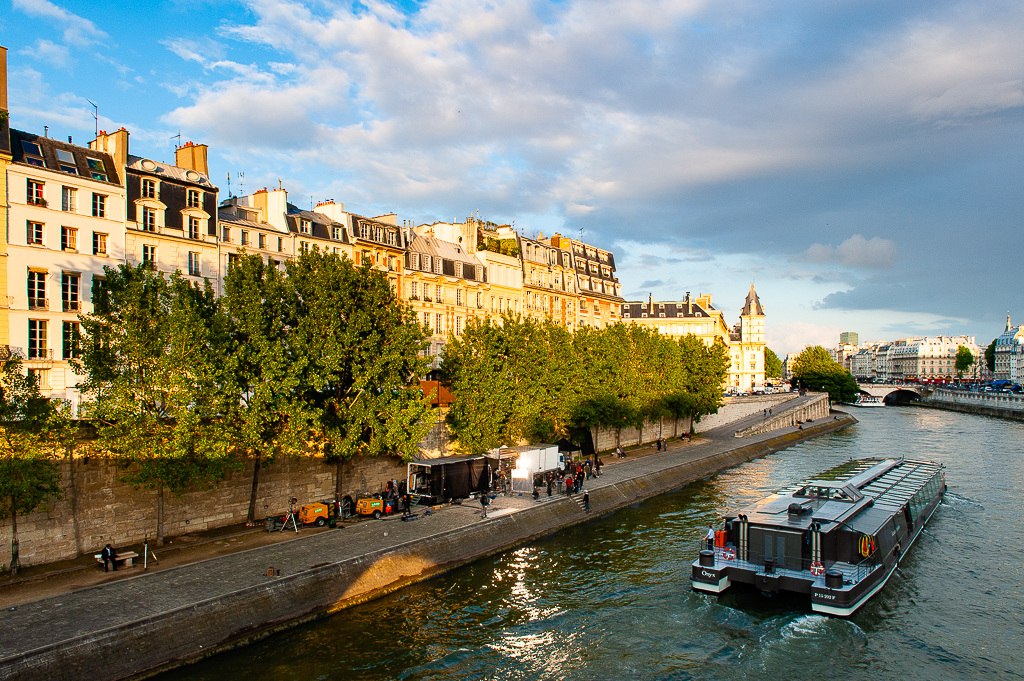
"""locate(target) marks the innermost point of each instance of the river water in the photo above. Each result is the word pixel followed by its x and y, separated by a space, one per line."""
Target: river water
pixel 611 599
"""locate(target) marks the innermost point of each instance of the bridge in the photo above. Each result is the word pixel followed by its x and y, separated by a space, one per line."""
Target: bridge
pixel 892 394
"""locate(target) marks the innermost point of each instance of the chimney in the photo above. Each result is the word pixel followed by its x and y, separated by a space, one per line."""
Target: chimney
pixel 115 144
pixel 689 304
pixel 273 207
pixel 556 240
pixel 192 157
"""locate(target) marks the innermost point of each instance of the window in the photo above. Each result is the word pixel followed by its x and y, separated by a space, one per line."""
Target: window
pixel 391 238
pixel 68 199
pixel 68 239
pixel 304 246
pixel 71 340
pixel 225 234
pixel 35 193
pixel 232 259
pixel 35 233
pixel 37 339
pixel 194 200
pixel 440 294
pixel 193 264
pixel 336 234
pixel 458 296
pixel 245 238
pixel 96 169
pixel 438 323
pixel 37 290
pixel 458 269
pixel 458 326
pixel 280 244
pixel 33 149
pixel 262 240
pixel 426 319
pixel 193 227
pixel 41 377
pixel 413 289
pixel 148 219
pixel 99 243
pixel 149 189
pixel 305 227
pixel 426 263
pixel 99 206
pixel 70 283
pixel 437 266
pixel 149 255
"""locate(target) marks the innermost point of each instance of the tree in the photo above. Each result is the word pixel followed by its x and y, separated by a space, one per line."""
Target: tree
pixel 260 371
pixel 815 369
pixel 150 357
pixel 990 356
pixel 362 353
pixel 772 364
pixel 34 433
pixel 964 360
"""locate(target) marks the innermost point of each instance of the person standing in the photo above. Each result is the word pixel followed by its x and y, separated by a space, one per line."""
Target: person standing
pixel 711 537
pixel 586 501
pixel 568 484
pixel 109 556
pixel 484 500
pixel 549 484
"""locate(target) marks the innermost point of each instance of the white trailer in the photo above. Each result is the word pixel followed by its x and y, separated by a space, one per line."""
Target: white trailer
pixel 531 460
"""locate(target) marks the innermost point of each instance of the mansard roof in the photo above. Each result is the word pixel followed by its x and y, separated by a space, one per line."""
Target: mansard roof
pixel 23 146
pixel 675 310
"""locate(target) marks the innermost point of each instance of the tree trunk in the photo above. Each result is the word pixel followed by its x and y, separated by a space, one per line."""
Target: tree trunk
pixel 618 437
pixel 675 426
pixel 337 480
pixel 15 559
pixel 251 517
pixel 160 515
pixel 74 503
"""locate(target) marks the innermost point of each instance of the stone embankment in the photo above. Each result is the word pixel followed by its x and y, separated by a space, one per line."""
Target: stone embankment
pixel 999 405
pixel 817 407
pixel 97 507
pixel 144 624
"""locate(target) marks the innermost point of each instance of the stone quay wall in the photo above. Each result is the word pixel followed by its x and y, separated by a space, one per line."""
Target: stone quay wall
pixel 203 628
pixel 817 408
pixel 999 405
pixel 97 508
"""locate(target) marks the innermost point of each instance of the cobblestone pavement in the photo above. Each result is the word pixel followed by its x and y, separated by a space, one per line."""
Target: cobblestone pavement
pixel 70 615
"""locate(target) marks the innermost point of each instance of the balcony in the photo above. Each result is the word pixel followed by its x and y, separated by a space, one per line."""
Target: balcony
pixel 427 299
pixel 39 354
pixel 41 202
pixel 72 305
pixel 38 304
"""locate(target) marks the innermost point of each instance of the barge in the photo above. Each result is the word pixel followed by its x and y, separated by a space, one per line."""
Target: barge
pixel 836 537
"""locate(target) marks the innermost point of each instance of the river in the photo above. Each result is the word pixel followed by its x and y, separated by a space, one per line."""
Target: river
pixel 611 599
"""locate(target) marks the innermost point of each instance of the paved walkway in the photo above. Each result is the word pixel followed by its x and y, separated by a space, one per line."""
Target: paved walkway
pixel 66 616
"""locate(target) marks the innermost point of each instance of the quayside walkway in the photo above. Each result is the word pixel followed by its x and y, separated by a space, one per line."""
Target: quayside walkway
pixel 155 620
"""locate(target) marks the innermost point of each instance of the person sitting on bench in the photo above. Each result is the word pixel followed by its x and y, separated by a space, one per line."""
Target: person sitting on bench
pixel 109 555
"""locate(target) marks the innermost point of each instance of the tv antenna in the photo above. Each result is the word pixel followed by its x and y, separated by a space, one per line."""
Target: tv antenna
pixel 177 137
pixel 95 115
pixel 241 183
pixel 229 184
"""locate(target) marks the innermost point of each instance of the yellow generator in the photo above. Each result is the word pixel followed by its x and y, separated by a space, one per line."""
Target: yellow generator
pixel 318 514
pixel 374 506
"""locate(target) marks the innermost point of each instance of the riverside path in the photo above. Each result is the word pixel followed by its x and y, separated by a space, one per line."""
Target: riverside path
pixel 157 620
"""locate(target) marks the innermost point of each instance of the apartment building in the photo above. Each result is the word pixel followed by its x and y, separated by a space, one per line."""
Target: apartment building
pixel 550 289
pixel 66 223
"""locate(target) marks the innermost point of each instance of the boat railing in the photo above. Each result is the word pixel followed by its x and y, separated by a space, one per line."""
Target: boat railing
pixel 791 567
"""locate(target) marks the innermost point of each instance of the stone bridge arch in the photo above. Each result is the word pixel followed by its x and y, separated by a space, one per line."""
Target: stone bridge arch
pixel 892 394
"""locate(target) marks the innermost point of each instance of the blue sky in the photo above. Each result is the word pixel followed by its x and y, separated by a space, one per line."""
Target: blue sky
pixel 861 161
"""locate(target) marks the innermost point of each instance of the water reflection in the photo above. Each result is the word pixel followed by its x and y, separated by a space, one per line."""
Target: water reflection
pixel 611 599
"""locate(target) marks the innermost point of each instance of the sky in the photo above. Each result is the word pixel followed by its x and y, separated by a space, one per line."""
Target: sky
pixel 860 162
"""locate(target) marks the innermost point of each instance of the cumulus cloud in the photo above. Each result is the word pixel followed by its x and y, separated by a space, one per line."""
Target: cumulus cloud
pixel 77 30
pixel 48 51
pixel 873 253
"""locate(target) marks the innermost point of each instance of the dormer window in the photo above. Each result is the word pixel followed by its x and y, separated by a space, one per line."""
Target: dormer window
pixel 66 161
pixel 33 154
pixel 337 234
pixel 415 261
pixel 305 226
pixel 149 189
pixel 194 200
pixel 458 269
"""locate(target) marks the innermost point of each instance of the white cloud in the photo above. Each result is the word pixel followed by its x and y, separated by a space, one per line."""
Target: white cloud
pixel 873 253
pixel 795 336
pixel 77 31
pixel 48 51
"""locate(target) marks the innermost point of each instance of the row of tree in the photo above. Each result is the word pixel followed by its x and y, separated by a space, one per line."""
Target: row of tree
pixel 814 369
pixel 522 379
pixel 183 386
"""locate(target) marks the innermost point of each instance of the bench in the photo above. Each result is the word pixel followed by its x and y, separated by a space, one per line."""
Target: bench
pixel 126 559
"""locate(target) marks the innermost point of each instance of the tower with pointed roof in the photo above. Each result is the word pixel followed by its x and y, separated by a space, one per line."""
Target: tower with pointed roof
pixel 746 346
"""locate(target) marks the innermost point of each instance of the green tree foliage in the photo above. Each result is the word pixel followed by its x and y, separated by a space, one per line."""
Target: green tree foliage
pixel 815 370
pixel 964 360
pixel 34 433
pixel 152 368
pixel 361 351
pixel 772 364
pixel 990 356
pixel 518 378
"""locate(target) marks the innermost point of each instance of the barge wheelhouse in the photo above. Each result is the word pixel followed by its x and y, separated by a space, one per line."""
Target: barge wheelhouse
pixel 836 537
